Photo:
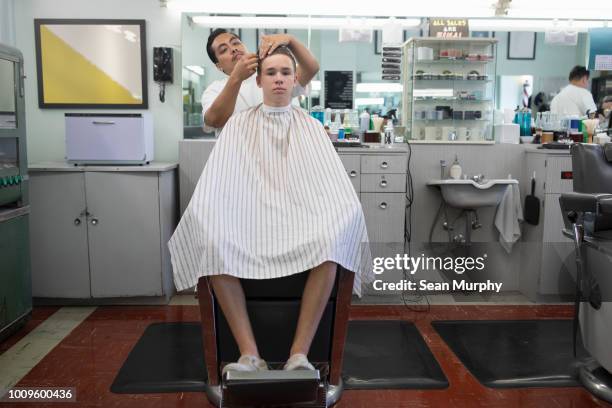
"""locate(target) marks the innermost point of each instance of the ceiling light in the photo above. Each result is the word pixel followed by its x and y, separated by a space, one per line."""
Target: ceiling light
pixel 447 8
pixel 321 23
pixel 507 24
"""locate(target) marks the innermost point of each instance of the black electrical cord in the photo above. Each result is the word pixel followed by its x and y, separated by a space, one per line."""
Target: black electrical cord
pixel 162 92
pixel 411 303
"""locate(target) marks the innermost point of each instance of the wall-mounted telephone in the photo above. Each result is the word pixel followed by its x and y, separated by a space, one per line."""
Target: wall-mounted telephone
pixel 162 68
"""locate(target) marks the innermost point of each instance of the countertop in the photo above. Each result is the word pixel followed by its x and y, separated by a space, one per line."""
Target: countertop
pixel 63 166
pixel 533 149
pixel 375 148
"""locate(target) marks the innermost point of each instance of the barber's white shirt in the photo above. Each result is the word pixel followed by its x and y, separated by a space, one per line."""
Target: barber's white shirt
pixel 573 100
pixel 249 95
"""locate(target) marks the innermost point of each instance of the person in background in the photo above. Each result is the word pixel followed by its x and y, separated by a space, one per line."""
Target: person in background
pixel 239 90
pixel 575 99
pixel 540 104
pixel 605 113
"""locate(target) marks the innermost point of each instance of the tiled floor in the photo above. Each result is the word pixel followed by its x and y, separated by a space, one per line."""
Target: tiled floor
pixel 90 356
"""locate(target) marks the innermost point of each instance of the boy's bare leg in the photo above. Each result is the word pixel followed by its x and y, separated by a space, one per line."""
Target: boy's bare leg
pixel 314 299
pixel 230 296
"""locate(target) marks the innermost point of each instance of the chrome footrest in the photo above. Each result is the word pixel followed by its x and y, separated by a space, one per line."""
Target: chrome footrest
pixel 300 388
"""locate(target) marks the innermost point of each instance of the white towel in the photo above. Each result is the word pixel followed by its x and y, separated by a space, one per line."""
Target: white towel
pixel 509 215
pixel 273 200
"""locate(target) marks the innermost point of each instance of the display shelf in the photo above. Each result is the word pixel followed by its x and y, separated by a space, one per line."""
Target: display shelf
pixel 453 61
pixel 450 120
pixel 457 59
pixel 454 80
pixel 453 100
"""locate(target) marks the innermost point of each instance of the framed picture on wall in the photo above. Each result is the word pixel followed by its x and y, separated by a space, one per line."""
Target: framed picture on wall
pixel 91 63
pixel 521 45
pixel 266 31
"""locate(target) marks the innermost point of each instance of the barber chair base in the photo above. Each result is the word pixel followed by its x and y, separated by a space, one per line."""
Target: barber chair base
pixel 596 379
pixel 333 393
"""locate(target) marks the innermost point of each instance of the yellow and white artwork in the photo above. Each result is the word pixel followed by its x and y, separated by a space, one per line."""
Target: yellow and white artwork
pixel 91 64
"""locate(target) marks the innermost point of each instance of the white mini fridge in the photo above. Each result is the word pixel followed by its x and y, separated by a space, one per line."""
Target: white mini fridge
pixel 114 138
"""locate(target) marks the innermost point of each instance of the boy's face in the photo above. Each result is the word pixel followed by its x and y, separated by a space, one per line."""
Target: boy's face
pixel 276 79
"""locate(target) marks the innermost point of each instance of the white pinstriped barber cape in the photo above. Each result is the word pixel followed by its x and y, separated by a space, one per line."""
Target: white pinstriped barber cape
pixel 273 200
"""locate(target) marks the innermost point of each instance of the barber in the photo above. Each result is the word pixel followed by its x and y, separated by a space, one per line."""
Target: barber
pixel 575 99
pixel 239 91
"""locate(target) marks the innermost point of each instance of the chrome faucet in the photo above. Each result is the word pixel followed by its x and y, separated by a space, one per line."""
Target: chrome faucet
pixel 478 178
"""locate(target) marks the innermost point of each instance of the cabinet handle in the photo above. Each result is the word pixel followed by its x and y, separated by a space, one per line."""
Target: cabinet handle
pixel 384 165
pixel 77 221
pixel 94 221
pixel 383 205
pixel 383 183
pixel 353 173
pixel 103 122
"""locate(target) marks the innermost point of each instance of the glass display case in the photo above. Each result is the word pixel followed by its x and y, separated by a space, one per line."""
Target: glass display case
pixel 449 89
pixel 15 281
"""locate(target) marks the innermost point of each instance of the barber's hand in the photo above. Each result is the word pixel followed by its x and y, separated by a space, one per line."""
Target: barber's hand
pixel 271 42
pixel 245 67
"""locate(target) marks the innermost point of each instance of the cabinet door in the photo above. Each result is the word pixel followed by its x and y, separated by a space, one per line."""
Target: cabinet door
pixel 555 166
pixel 58 235
pixel 15 290
pixel 384 215
pixel 124 234
pixel 558 258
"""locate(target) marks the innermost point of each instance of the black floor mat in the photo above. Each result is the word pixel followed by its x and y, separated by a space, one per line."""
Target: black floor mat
pixel 514 353
pixel 386 354
pixel 378 355
pixel 167 358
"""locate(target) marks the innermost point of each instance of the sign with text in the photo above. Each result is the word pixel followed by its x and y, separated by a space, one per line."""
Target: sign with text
pixel 448 27
pixel 339 89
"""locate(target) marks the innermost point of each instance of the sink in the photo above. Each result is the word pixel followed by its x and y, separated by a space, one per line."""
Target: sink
pixel 468 194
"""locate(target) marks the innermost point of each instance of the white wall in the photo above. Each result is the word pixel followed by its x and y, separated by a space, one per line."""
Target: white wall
pixel 45 127
pixel 7 22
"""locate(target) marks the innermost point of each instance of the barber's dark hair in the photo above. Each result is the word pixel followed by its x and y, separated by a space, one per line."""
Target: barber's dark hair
pixel 578 72
pixel 216 32
pixel 282 50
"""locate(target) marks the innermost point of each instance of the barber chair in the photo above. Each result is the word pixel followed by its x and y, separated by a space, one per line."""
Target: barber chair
pixel 273 306
pixel 588 220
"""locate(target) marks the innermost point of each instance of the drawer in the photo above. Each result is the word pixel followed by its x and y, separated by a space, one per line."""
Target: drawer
pixel 384 163
pixel 108 137
pixel 383 183
pixel 352 163
pixel 384 216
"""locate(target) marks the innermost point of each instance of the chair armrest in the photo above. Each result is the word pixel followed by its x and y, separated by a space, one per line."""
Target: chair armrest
pixel 605 206
pixel 583 202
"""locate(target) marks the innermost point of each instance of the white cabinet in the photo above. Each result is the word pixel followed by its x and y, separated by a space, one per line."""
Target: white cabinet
pixel 548 259
pixel 102 233
pixel 379 179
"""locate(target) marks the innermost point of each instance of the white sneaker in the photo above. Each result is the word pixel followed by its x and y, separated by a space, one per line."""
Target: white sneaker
pixel 298 362
pixel 246 363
